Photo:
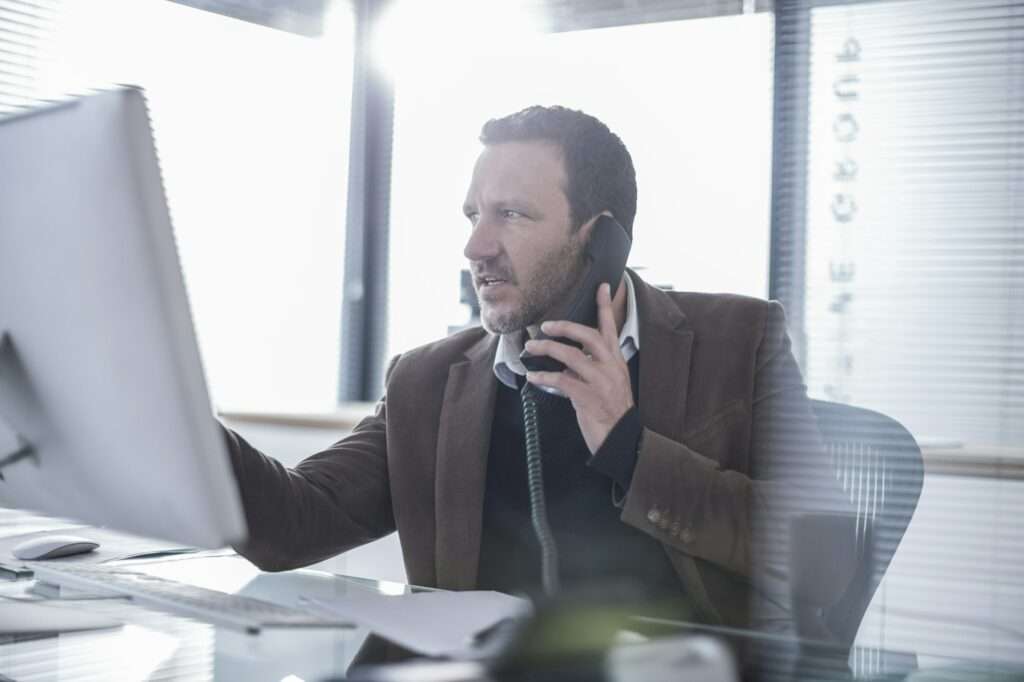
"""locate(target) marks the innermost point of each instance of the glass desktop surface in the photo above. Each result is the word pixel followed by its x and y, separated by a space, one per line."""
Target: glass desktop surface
pixel 157 645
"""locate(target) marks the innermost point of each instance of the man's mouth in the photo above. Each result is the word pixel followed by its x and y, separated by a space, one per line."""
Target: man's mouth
pixel 485 282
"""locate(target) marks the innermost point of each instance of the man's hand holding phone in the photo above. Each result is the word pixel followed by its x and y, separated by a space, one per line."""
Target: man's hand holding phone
pixel 596 378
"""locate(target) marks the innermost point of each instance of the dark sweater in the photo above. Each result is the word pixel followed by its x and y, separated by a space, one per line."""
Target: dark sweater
pixel 595 548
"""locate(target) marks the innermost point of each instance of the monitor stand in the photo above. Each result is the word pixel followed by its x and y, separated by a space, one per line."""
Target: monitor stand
pixel 13 446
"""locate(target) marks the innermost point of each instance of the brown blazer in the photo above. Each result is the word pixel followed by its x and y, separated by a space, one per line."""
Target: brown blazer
pixel 717 385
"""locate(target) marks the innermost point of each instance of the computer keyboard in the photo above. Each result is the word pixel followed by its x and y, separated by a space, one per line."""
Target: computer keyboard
pixel 211 606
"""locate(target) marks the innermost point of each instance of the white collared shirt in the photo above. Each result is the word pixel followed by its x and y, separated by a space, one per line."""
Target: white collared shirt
pixel 507 363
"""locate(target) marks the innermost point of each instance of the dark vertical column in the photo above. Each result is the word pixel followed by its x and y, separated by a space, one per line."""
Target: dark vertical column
pixel 790 114
pixel 365 294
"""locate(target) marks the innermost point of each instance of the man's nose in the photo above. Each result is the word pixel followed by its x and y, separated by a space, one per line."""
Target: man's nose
pixel 483 243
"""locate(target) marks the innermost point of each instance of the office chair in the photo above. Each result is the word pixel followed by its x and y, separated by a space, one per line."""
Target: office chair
pixel 879 466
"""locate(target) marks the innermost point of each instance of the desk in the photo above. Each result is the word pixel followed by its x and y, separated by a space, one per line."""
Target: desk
pixel 156 645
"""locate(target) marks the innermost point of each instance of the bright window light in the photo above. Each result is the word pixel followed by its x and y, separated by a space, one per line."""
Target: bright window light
pixel 691 100
pixel 252 128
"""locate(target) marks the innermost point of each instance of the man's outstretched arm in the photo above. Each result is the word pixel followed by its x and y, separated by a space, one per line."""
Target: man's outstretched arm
pixel 330 502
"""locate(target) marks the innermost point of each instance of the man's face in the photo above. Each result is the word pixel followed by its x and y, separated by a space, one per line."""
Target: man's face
pixel 523 252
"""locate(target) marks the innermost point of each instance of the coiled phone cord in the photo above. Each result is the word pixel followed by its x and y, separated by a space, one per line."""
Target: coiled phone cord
pixel 538 503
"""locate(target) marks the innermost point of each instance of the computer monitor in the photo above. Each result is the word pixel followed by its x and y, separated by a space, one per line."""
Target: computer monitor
pixel 104 412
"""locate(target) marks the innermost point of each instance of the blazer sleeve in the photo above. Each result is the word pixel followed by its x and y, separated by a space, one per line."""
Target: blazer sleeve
pixel 688 502
pixel 330 502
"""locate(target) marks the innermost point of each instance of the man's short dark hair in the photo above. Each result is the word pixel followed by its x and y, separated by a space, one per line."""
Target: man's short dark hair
pixel 598 166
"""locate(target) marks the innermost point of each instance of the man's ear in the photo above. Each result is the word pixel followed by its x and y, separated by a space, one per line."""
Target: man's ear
pixel 588 226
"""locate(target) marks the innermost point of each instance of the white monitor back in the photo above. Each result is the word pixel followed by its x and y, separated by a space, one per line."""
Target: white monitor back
pixel 102 374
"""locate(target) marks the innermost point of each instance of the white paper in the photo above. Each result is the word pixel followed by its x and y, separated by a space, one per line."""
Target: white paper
pixel 430 623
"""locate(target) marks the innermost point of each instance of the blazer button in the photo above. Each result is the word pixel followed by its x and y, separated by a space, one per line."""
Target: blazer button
pixel 654 516
pixel 686 535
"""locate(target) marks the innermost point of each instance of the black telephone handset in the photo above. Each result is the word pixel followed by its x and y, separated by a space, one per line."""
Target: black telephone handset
pixel 605 254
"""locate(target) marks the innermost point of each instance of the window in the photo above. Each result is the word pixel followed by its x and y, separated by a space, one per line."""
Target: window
pixel 702 151
pixel 913 292
pixel 24 29
pixel 251 125
pixel 915 252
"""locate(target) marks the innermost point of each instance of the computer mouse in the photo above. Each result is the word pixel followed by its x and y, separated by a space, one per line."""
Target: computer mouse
pixel 53 547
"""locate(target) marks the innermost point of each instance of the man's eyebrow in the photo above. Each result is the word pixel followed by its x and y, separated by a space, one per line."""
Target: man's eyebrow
pixel 505 203
pixel 523 204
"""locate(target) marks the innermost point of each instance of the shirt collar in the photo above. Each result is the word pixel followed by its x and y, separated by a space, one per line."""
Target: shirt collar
pixel 506 361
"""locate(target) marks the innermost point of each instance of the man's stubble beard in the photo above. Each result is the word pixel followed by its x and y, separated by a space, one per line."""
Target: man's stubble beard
pixel 554 277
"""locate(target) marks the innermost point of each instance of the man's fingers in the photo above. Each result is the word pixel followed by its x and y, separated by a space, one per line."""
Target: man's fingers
pixel 572 388
pixel 570 356
pixel 591 339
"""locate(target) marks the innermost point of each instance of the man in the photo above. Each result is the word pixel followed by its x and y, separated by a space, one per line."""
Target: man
pixel 675 406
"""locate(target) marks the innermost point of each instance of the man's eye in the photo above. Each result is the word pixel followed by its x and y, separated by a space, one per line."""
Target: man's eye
pixel 510 214
pixel 472 217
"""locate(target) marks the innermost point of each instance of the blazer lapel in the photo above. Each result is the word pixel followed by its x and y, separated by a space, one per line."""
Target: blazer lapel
pixel 665 344
pixel 462 444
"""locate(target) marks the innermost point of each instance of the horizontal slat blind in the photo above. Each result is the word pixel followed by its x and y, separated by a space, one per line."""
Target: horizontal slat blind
pixel 24 26
pixel 911 285
pixel 915 223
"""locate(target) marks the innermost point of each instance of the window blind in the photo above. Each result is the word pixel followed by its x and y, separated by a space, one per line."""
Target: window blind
pixel 902 260
pixel 914 216
pixel 24 26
